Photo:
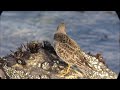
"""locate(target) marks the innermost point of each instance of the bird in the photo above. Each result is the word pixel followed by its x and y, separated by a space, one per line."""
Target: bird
pixel 68 50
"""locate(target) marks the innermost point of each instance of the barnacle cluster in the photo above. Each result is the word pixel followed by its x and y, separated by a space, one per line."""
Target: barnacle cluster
pixel 33 60
pixel 99 69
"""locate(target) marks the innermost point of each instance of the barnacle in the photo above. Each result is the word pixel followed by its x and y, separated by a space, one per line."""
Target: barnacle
pixel 18 55
pixel 45 66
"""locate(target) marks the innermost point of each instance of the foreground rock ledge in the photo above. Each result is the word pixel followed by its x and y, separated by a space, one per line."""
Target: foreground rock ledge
pixel 38 60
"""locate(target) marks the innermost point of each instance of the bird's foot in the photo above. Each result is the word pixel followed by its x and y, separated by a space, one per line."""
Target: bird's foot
pixel 65 71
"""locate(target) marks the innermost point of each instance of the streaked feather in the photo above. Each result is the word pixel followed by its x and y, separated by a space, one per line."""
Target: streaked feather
pixel 67 49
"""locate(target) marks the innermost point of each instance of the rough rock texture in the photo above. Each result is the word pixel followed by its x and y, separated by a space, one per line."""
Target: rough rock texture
pixel 38 60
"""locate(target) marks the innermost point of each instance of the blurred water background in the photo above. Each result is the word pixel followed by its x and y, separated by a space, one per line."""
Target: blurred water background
pixel 94 31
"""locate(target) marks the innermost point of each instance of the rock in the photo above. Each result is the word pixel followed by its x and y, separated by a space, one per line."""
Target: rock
pixel 2 75
pixel 41 62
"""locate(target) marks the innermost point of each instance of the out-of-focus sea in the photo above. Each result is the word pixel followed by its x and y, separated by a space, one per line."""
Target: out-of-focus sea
pixel 94 31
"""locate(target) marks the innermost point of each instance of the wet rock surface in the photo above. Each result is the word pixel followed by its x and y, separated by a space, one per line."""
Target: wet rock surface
pixel 38 60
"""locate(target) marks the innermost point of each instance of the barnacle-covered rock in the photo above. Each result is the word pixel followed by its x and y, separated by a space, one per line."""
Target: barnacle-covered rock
pixel 38 60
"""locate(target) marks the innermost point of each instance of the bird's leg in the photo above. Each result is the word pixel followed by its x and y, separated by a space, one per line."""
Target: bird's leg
pixel 64 72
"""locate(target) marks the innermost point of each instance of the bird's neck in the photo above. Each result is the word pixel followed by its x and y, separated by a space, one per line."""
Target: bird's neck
pixel 61 31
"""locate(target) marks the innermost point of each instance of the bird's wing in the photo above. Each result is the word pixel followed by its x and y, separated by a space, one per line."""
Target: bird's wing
pixel 67 54
pixel 67 51
pixel 74 44
pixel 67 48
pixel 64 51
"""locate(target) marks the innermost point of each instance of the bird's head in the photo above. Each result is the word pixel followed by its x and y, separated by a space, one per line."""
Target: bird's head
pixel 61 28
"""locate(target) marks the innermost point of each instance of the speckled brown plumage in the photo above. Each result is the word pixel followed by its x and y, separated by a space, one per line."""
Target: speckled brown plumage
pixel 67 49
